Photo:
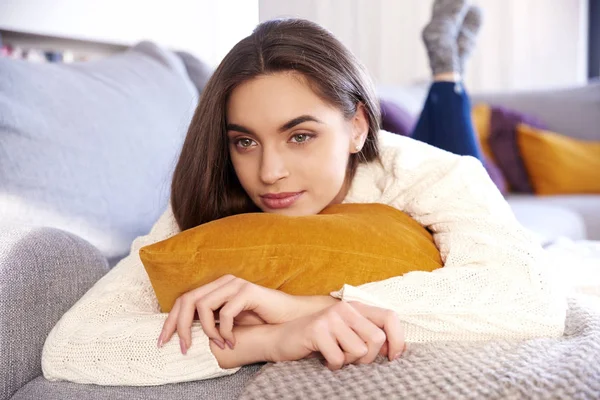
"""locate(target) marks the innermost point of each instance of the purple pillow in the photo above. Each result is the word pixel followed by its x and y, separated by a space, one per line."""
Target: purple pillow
pixel 495 174
pixel 504 145
pixel 396 119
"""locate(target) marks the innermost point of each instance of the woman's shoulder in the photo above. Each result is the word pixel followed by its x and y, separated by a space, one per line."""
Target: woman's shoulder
pixel 398 153
pixel 165 227
pixel 401 161
pixel 166 223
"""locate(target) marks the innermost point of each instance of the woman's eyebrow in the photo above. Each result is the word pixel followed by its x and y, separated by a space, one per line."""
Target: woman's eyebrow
pixel 285 127
pixel 239 128
pixel 297 121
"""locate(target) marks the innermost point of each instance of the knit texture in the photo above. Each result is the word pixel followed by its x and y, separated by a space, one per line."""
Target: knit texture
pixel 492 285
pixel 109 337
pixel 544 368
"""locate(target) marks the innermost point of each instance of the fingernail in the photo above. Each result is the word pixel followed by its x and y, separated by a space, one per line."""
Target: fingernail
pixel 182 345
pixel 160 342
pixel 398 355
pixel 219 343
pixel 229 344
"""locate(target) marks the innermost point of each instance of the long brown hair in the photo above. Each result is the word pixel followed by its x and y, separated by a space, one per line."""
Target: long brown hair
pixel 205 186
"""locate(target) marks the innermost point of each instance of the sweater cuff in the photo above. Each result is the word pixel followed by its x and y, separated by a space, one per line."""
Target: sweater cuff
pixel 198 363
pixel 351 293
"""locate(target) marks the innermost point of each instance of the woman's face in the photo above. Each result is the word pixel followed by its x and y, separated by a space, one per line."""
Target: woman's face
pixel 289 148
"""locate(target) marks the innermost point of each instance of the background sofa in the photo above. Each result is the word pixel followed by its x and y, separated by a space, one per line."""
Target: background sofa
pixel 574 112
pixel 86 153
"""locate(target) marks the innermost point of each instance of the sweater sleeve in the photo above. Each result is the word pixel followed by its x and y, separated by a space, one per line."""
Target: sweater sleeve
pixel 109 337
pixel 493 283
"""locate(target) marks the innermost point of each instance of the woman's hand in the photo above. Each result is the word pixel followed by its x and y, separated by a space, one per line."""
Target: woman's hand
pixel 344 333
pixel 235 300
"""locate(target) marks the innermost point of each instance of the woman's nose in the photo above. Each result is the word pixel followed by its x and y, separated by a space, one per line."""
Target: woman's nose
pixel 273 167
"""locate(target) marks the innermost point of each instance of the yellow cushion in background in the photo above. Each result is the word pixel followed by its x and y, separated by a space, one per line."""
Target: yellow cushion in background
pixel 559 164
pixel 311 255
pixel 481 115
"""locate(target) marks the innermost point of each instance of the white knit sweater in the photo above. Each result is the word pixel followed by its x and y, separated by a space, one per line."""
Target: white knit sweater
pixel 493 283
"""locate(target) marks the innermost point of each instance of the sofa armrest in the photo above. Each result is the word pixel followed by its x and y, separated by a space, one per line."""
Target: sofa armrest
pixel 43 272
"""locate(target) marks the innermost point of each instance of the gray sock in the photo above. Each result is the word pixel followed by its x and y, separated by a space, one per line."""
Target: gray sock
pixel 467 36
pixel 441 33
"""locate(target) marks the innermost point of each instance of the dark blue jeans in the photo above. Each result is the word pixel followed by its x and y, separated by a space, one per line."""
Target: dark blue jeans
pixel 445 121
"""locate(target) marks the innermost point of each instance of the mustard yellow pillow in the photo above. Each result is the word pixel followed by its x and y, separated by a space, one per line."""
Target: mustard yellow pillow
pixel 310 255
pixel 558 164
pixel 481 115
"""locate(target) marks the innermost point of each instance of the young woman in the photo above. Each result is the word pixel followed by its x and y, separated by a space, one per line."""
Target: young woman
pixel 289 124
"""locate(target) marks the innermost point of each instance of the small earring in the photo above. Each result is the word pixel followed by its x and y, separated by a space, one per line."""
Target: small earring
pixel 357 148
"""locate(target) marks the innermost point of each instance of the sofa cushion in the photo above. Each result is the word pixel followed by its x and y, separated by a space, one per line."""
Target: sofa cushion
pixel 309 255
pixel 398 120
pixel 586 206
pixel 571 111
pixel 504 144
pixel 481 115
pixel 559 164
pixel 228 387
pixel 43 272
pixel 90 147
pixel 549 217
pixel 198 71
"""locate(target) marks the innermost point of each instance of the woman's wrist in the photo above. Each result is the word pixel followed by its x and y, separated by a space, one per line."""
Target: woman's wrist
pixel 315 304
pixel 253 344
pixel 256 343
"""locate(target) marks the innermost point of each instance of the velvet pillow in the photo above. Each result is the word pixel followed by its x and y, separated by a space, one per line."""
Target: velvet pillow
pixel 503 142
pixel 310 255
pixel 396 119
pixel 559 164
pixel 480 117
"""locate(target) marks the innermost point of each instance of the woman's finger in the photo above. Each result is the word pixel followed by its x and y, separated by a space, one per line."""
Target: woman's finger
pixel 209 303
pixel 187 308
pixel 384 350
pixel 373 336
pixel 389 322
pixel 232 309
pixel 246 318
pixel 170 325
pixel 353 346
pixel 329 348
pixel 210 287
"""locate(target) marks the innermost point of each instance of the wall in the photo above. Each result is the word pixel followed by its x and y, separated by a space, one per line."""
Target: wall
pixel 206 28
pixel 524 44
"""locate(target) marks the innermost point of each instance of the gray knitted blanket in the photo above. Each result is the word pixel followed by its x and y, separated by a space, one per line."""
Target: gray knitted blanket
pixel 563 368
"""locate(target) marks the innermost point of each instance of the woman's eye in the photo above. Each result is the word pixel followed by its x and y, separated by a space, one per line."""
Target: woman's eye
pixel 245 143
pixel 300 138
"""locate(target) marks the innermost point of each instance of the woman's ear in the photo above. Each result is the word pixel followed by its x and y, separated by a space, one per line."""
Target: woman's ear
pixel 360 129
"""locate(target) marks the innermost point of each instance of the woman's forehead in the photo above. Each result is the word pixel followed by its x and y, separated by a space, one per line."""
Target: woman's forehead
pixel 275 99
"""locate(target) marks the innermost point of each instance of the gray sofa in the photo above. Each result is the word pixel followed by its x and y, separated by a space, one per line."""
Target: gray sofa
pixel 571 111
pixel 86 152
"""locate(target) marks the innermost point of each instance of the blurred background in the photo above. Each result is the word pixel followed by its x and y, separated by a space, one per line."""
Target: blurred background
pixel 524 44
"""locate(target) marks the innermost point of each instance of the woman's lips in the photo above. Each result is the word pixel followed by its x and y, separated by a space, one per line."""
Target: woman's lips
pixel 277 201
